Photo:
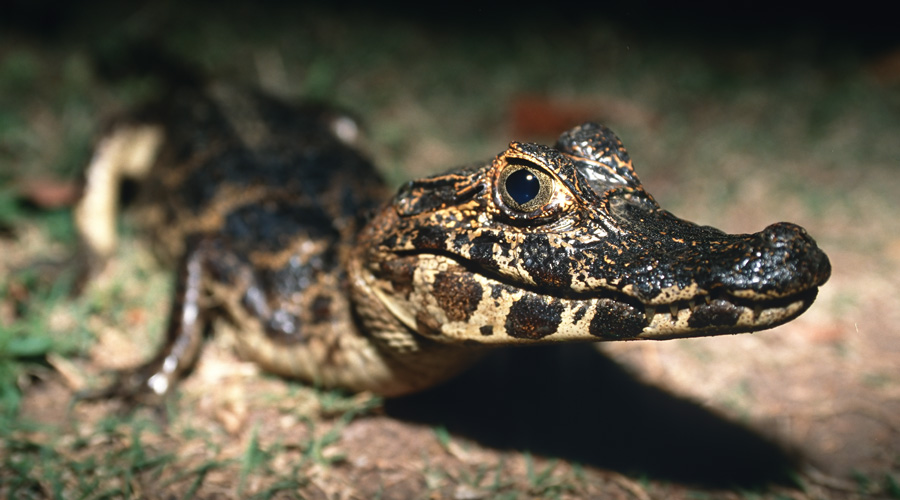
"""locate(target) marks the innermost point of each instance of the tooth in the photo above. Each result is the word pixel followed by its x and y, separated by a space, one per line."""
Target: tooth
pixel 757 311
pixel 692 305
pixel 708 300
pixel 649 312
pixel 673 310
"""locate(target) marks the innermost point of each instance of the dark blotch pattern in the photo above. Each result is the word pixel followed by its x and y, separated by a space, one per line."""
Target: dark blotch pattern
pixel 579 313
pixel 273 227
pixel 430 238
pixel 434 193
pixel 547 264
pixel 532 318
pixel 483 249
pixel 457 294
pixel 321 309
pixel 616 320
pixel 296 276
pixel 400 272
pixel 718 313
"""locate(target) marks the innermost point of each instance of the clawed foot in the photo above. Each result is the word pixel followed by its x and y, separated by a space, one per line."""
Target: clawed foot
pixel 141 387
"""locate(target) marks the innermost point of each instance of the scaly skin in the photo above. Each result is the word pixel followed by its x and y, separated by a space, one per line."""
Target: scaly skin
pixel 273 217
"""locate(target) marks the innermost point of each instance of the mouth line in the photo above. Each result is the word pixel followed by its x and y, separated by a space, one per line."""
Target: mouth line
pixel 674 309
pixel 706 313
pixel 721 314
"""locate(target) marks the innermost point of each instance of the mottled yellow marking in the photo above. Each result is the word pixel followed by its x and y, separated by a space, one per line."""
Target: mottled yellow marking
pixel 127 152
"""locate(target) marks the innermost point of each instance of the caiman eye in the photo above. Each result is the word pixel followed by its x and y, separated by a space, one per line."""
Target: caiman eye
pixel 525 188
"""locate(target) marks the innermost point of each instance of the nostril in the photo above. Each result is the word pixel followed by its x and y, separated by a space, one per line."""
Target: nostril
pixel 784 234
pixel 791 246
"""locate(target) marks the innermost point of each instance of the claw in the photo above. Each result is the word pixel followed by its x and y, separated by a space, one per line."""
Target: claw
pixel 131 387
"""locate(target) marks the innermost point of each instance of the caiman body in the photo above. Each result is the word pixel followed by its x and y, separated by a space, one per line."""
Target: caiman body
pixel 279 226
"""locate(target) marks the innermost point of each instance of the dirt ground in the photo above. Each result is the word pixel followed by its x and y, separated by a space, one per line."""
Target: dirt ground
pixel 809 410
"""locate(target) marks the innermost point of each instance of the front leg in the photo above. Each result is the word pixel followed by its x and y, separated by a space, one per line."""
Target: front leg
pixel 150 382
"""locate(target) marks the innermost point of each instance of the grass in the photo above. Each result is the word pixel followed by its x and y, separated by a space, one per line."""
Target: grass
pixel 26 343
pixel 121 455
pixel 36 468
pixel 433 98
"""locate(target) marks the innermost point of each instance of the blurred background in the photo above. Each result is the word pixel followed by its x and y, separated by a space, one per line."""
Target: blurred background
pixel 735 118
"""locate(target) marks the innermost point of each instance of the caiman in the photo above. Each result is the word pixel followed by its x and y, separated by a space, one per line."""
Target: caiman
pixel 276 223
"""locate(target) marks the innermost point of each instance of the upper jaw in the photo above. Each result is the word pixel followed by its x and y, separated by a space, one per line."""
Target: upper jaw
pixel 687 280
pixel 716 283
pixel 668 259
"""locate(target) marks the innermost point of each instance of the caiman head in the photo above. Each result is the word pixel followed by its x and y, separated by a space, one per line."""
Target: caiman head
pixel 564 243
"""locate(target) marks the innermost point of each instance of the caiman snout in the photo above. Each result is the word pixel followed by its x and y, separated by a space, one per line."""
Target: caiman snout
pixel 736 283
pixel 780 260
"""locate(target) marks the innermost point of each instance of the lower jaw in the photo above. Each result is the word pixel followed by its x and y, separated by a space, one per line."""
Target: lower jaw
pixel 722 317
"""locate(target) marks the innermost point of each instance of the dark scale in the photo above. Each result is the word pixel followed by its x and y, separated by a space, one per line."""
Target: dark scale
pixel 533 318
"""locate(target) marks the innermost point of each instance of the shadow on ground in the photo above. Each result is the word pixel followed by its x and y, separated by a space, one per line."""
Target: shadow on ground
pixel 574 403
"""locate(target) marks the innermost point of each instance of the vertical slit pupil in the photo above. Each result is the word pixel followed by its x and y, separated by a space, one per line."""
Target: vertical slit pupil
pixel 523 186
